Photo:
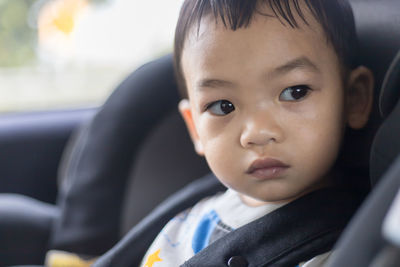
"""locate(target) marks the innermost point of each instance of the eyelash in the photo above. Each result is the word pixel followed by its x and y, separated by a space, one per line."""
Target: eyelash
pixel 296 87
pixel 231 107
pixel 211 105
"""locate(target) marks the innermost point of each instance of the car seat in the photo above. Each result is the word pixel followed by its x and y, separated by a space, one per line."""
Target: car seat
pixel 363 242
pixel 137 140
pixel 137 134
pixel 368 241
pixel 369 22
pixel 108 174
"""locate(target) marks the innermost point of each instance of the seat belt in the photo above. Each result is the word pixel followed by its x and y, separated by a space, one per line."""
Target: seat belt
pixel 294 233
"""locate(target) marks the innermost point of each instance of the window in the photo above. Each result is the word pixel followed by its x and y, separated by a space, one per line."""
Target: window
pixel 72 53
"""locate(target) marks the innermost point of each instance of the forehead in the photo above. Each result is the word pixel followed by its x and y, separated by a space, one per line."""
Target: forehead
pixel 213 49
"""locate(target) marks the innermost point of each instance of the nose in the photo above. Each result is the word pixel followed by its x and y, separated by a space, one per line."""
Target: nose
pixel 260 129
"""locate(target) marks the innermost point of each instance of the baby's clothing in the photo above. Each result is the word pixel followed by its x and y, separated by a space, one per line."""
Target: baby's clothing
pixel 196 228
pixel 296 232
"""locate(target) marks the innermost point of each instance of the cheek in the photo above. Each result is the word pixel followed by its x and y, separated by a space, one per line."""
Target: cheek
pixel 319 138
pixel 223 161
pixel 214 131
pixel 218 139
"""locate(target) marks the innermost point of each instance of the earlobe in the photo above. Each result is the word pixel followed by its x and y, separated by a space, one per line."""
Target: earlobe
pixel 359 97
pixel 186 113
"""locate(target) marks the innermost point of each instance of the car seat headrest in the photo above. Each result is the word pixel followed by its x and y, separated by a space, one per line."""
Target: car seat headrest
pixel 377 27
pixel 99 164
pixel 390 91
pixel 386 145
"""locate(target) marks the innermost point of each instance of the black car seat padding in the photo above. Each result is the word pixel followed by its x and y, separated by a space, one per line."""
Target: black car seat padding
pixel 362 241
pixel 377 26
pixel 386 145
pixel 390 92
pixel 105 154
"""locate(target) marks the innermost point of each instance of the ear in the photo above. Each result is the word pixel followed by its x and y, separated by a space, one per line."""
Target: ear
pixel 359 97
pixel 186 113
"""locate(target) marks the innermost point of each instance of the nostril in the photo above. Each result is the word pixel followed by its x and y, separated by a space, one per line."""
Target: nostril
pixel 260 131
pixel 259 140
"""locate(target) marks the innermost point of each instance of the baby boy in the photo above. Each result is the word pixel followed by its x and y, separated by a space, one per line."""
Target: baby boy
pixel 269 88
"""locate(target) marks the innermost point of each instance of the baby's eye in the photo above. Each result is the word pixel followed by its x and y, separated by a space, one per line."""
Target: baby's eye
pixel 294 93
pixel 220 107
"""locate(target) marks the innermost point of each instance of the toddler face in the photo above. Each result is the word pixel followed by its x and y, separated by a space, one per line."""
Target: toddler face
pixel 267 106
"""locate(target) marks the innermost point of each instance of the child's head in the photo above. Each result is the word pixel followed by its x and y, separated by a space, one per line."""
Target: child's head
pixel 269 87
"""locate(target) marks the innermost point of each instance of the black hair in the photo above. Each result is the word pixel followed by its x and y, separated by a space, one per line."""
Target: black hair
pixel 335 17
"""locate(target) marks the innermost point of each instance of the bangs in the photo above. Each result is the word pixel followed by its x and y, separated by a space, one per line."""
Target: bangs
pixel 238 14
pixel 334 16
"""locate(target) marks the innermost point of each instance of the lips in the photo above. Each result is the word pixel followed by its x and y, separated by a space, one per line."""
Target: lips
pixel 267 168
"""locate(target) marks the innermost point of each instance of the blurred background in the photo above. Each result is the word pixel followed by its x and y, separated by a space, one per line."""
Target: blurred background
pixel 57 54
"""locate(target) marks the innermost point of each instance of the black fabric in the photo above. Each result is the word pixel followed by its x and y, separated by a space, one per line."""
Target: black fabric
pixel 377 25
pixel 91 197
pixel 296 232
pixel 166 163
pixel 287 236
pixel 390 91
pixel 24 229
pixel 386 145
pixel 362 239
pixel 31 145
pixel 130 250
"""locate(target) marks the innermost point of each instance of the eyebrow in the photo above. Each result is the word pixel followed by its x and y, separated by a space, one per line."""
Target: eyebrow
pixel 213 83
pixel 297 63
